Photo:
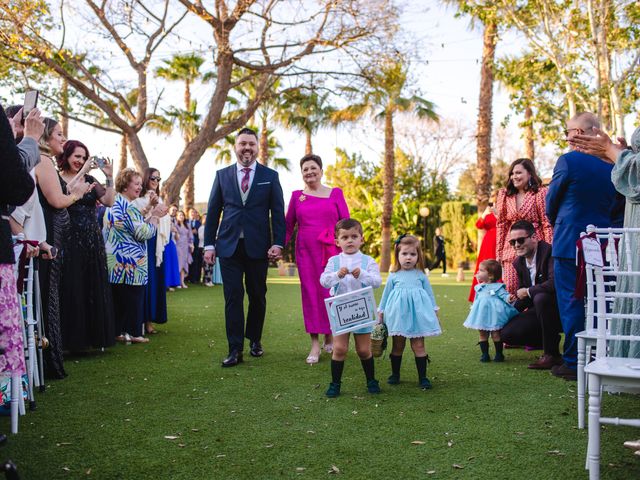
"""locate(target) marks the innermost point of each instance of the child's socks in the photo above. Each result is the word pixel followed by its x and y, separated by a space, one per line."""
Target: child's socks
pixel 337 366
pixel 484 348
pixel 421 366
pixel 396 362
pixel 499 355
pixel 368 366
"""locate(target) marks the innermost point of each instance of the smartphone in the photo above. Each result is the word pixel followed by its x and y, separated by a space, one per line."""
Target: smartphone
pixel 30 102
pixel 100 161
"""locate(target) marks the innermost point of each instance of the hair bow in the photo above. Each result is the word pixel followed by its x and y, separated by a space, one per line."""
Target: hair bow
pixel 399 239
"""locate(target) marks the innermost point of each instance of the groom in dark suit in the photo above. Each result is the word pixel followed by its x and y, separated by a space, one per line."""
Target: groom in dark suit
pixel 580 193
pixel 251 233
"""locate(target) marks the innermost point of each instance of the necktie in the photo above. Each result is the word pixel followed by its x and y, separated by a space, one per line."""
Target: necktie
pixel 244 185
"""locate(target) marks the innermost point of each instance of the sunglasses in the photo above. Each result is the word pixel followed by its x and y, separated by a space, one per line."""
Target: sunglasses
pixel 568 130
pixel 519 241
pixel 155 179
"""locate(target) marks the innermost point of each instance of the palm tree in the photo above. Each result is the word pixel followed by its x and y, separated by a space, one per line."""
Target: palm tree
pixel 186 69
pixel 305 113
pixel 382 97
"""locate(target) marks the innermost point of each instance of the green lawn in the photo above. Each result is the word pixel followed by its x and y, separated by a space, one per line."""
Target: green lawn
pixel 168 410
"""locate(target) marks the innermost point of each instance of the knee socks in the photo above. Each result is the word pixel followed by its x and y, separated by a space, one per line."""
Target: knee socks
pixel 421 365
pixel 336 370
pixel 396 362
pixel 368 367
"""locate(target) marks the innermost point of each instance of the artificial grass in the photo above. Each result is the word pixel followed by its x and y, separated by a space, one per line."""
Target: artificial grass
pixel 269 418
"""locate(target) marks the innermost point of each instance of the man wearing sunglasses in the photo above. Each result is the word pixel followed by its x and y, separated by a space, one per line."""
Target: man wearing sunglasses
pixel 538 322
pixel 580 193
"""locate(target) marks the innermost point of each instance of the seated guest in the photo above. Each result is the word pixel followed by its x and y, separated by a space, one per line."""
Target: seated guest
pixel 538 322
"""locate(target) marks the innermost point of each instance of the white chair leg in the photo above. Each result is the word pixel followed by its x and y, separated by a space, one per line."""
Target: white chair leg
pixel 593 447
pixel 581 380
pixel 16 387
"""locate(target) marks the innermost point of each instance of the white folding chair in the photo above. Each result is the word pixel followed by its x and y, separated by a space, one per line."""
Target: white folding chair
pixel 607 370
pixel 587 337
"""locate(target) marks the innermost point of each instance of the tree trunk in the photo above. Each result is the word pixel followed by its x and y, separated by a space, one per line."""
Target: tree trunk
pixel 263 154
pixel 136 150
pixel 483 148
pixel 529 144
pixel 123 153
pixel 308 149
pixel 387 196
pixel 188 191
pixel 64 108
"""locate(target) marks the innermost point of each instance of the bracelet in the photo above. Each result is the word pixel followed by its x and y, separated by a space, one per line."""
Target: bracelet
pixel 109 182
pixel 74 198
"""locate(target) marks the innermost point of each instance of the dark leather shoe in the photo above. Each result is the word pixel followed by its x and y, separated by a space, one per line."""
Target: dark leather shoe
pixel 546 362
pixel 256 349
pixel 565 372
pixel 233 359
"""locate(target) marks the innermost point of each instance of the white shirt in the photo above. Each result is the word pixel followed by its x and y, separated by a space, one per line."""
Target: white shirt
pixel 532 269
pixel 369 277
pixel 240 174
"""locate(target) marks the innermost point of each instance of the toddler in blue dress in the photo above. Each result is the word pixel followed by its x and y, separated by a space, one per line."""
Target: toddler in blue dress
pixel 491 309
pixel 349 271
pixel 408 308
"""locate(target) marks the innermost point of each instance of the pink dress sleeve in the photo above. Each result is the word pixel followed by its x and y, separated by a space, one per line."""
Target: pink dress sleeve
pixel 291 218
pixel 343 209
pixel 501 223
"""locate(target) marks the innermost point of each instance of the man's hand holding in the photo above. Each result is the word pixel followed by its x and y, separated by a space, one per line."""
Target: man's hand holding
pixel 274 253
pixel 210 256
pixel 522 293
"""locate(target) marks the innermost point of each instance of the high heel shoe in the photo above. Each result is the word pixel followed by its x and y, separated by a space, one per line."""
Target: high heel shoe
pixel 312 359
pixel 328 347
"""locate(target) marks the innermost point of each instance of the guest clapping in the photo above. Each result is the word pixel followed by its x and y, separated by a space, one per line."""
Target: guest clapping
pixel 184 246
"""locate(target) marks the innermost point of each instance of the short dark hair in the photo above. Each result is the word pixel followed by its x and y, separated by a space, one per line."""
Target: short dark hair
pixel 12 110
pixel 348 224
pixel 523 225
pixel 247 131
pixel 311 158
pixel 535 182
pixel 493 268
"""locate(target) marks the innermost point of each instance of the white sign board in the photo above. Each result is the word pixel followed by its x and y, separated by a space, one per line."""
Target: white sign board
pixel 351 311
pixel 592 251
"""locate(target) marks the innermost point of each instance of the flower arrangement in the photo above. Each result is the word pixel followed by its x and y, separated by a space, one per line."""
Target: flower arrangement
pixel 379 339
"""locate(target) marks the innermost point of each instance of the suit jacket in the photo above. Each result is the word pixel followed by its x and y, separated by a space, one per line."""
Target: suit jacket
pixel 544 275
pixel 262 213
pixel 580 193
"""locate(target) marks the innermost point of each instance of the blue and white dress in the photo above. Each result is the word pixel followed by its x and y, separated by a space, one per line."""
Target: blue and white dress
pixel 491 309
pixel 409 305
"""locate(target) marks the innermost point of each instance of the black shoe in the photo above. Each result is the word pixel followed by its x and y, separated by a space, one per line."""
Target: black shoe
pixel 563 371
pixel 233 359
pixel 256 349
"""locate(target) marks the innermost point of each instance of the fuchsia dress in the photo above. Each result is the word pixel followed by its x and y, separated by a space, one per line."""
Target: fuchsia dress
pixel 316 218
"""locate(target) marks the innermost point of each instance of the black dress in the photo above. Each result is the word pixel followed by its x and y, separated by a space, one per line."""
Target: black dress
pixel 50 271
pixel 86 304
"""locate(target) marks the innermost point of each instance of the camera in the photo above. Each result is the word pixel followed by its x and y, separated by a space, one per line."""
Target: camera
pixel 100 161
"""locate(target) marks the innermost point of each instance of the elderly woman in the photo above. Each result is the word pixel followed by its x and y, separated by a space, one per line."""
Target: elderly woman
pixel 522 199
pixel 127 231
pixel 86 306
pixel 315 210
pixel 626 178
pixel 54 201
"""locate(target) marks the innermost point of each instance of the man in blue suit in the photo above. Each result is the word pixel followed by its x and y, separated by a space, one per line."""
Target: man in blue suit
pixel 251 233
pixel 580 193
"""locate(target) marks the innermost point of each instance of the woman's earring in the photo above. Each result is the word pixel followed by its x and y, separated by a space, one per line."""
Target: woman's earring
pixel 530 183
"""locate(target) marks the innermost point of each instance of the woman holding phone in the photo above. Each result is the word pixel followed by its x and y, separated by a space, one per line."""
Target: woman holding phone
pixel 86 303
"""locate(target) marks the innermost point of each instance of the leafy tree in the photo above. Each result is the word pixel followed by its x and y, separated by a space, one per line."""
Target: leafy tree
pixel 382 97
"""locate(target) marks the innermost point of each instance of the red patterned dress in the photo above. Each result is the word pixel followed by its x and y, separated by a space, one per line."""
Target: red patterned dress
pixel 532 210
pixel 487 247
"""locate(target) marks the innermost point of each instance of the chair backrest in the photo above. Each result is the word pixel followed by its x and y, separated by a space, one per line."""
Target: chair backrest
pixel 617 281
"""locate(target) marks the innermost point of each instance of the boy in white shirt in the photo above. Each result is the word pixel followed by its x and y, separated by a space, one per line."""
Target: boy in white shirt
pixel 346 272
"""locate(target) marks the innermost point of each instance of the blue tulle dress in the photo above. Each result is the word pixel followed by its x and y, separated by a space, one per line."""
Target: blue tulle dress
pixel 409 305
pixel 171 266
pixel 491 309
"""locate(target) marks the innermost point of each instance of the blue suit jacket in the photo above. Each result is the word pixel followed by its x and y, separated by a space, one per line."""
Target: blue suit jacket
pixel 263 212
pixel 580 193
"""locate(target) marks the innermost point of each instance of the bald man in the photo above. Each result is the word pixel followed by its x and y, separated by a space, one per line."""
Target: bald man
pixel 580 193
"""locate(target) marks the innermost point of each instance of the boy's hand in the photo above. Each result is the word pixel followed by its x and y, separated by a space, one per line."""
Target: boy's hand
pixel 342 272
pixel 355 272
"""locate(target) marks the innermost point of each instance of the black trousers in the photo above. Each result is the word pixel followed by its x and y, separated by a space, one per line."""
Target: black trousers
pixel 195 269
pixel 440 258
pixel 237 272
pixel 538 326
pixel 128 305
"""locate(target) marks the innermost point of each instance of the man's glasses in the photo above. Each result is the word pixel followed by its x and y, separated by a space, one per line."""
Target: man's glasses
pixel 519 241
pixel 567 130
pixel 155 179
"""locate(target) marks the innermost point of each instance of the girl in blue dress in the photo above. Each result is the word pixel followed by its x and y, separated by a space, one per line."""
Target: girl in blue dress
pixel 491 309
pixel 408 307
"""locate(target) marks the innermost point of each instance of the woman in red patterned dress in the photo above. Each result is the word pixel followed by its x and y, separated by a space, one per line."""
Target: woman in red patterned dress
pixel 486 222
pixel 522 199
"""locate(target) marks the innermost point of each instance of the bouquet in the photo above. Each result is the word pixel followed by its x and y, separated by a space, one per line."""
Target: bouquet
pixel 379 339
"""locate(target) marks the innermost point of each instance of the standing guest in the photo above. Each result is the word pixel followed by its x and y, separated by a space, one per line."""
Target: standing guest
pixel 625 176
pixel 155 294
pixel 346 272
pixel 16 188
pixel 207 269
pixel 86 306
pixel 522 199
pixel 54 203
pixel 195 268
pixel 580 193
pixel 127 233
pixel 486 222
pixel 538 322
pixel 184 246
pixel 439 252
pixel 314 210
pixel 251 197
pixel 171 265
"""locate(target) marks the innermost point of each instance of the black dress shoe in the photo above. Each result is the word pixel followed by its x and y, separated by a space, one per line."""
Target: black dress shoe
pixel 256 349
pixel 233 359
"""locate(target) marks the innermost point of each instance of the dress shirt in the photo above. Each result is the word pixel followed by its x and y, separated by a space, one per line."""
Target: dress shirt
pixel 532 269
pixel 252 174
